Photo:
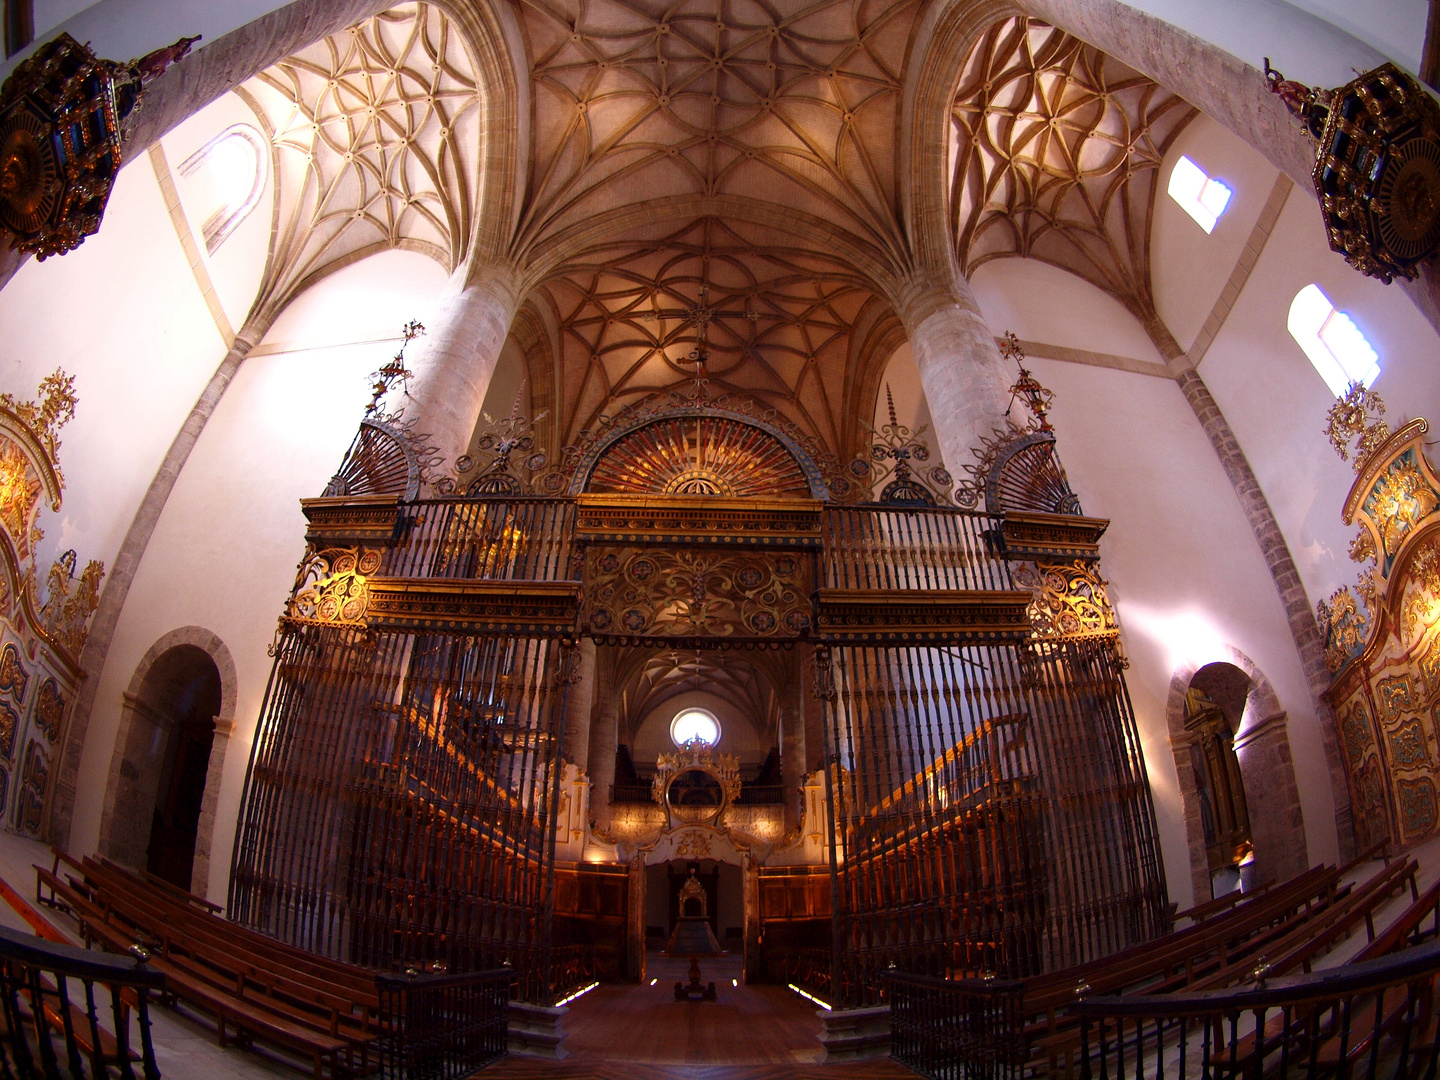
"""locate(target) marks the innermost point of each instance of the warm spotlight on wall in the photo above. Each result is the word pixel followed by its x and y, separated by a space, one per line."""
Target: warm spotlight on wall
pixel 1188 638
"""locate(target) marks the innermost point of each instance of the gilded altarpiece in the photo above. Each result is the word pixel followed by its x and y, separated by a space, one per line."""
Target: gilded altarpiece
pixel 42 623
pixel 1384 645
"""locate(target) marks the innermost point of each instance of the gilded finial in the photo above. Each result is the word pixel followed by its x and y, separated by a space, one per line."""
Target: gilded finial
pixel 46 417
pixel 1356 416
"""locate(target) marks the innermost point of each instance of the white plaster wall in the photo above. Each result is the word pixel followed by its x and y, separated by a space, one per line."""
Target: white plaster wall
pixel 1188 267
pixel 1043 303
pixel 49 14
pixel 124 316
pixel 224 552
pixel 1276 403
pixel 1185 573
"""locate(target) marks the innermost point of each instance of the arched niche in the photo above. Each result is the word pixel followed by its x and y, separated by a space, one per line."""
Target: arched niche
pixel 175 724
pixel 1262 746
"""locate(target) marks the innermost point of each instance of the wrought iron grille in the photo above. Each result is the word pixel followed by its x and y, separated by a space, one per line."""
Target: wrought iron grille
pixel 986 796
pixel 442 1027
pixel 400 804
pixel 989 802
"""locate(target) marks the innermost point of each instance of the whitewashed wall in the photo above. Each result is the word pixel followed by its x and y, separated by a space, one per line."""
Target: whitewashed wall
pixel 1185 573
pixel 225 550
pixel 124 316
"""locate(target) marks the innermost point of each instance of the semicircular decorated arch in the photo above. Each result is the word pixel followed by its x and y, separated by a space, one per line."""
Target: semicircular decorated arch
pixel 699 450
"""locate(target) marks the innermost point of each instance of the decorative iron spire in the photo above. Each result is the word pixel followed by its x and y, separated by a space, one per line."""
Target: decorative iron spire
pixel 395 371
pixel 1037 399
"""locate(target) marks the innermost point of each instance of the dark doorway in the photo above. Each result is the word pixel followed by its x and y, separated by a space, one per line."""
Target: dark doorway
pixel 182 692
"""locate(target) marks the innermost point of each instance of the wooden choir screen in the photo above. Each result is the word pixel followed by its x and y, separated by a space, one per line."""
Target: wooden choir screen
pixel 399 810
pixel 987 792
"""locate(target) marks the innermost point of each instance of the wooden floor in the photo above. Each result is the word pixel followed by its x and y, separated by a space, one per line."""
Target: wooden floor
pixel 640 1032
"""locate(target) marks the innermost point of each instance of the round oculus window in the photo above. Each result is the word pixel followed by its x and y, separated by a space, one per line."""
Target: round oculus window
pixel 695 725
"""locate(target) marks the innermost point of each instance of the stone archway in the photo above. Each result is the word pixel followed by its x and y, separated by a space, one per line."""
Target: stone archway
pixel 140 747
pixel 1262 745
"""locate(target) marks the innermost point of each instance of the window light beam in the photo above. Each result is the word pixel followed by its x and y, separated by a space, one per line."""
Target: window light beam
pixel 1203 198
pixel 1335 346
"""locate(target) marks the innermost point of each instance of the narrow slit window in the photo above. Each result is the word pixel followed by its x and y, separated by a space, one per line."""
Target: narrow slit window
pixel 1200 196
pixel 226 177
pixel 1332 341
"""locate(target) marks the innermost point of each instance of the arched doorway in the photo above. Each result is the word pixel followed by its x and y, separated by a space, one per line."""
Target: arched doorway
pixel 155 818
pixel 1240 799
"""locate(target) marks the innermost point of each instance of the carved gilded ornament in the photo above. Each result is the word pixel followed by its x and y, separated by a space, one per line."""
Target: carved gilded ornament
pixel 1345 628
pixel 333 587
pixel 1401 497
pixel 696 755
pixel 657 592
pixel 61 116
pixel 1377 167
pixel 1355 417
pixel 65 615
pixel 1069 602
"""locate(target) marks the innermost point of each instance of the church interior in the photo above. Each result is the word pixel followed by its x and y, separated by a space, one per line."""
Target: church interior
pixel 806 538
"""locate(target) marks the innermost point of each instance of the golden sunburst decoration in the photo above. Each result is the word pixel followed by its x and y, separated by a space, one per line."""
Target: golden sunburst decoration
pixel 702 455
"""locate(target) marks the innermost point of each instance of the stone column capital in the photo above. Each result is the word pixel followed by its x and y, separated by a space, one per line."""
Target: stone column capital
pixel 924 294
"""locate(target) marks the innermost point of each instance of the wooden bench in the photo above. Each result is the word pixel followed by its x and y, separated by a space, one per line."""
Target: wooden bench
pixel 1178 959
pixel 247 1017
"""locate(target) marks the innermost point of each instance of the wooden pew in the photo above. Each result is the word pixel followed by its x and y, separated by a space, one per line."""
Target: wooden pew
pixel 248 1017
pixel 1171 961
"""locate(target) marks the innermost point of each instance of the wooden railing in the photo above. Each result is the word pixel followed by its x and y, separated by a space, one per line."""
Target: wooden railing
pixel 442 1027
pixel 957 1029
pixel 67 1011
pixel 1373 1018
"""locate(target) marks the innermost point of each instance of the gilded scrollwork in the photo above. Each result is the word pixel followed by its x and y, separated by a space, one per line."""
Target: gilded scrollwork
pixel 725 768
pixel 685 592
pixel 333 587
pixel 1400 499
pixel 71 601
pixel 13 676
pixel 49 710
pixel 1356 417
pixel 1069 600
pixel 1345 627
